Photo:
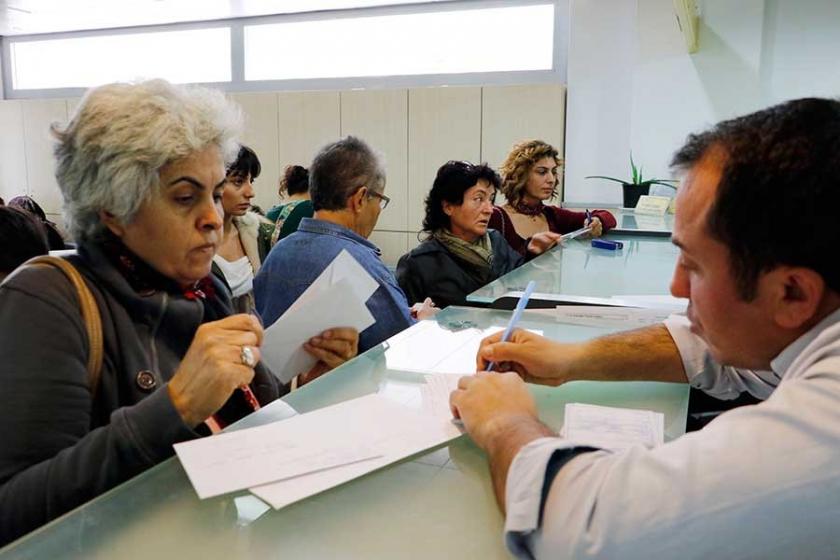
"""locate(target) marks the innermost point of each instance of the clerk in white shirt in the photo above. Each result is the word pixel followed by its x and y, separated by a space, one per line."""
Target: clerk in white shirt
pixel 758 262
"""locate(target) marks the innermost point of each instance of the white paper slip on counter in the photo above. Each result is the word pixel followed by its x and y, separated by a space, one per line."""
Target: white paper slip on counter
pixel 240 459
pixel 429 347
pixel 613 428
pixel 607 317
pixel 395 431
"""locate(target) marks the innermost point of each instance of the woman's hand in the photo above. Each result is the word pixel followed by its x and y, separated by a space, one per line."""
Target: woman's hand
pixel 424 310
pixel 332 348
pixel 597 227
pixel 213 367
pixel 543 241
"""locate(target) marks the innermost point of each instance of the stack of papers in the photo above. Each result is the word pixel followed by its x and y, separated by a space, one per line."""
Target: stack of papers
pixel 335 299
pixel 237 460
pixel 613 428
pixel 292 459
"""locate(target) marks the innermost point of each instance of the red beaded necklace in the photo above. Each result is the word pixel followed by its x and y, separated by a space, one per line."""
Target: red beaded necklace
pixel 527 209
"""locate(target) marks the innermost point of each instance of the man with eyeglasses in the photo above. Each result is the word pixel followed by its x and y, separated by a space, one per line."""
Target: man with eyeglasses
pixel 346 184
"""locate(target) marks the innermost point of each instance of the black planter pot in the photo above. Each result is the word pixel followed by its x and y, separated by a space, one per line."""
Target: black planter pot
pixel 633 192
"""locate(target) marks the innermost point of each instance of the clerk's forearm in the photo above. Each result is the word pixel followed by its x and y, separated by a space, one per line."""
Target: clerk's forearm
pixel 646 354
pixel 504 446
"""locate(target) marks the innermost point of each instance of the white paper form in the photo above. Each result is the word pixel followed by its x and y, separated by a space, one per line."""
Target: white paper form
pixel 237 460
pixel 618 317
pixel 394 430
pixel 335 306
pixel 613 428
pixel 343 267
pixel 429 348
pixel 435 394
pixel 651 302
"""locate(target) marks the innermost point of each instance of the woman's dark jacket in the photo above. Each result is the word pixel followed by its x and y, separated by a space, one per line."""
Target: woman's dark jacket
pixel 430 270
pixel 62 447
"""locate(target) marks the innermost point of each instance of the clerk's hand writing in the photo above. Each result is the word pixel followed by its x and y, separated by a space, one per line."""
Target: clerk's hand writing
pixel 490 403
pixel 535 358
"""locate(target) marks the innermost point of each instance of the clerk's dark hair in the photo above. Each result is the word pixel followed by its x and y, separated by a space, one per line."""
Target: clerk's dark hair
pixel 779 189
pixel 453 179
pixel 246 163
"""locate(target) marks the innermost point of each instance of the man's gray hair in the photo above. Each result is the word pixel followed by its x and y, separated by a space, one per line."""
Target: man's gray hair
pixel 338 171
pixel 109 155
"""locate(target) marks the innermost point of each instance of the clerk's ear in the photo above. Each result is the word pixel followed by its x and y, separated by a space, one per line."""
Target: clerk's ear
pixel 110 221
pixel 800 291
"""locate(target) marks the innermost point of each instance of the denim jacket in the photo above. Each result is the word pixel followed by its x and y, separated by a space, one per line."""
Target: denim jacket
pixel 296 261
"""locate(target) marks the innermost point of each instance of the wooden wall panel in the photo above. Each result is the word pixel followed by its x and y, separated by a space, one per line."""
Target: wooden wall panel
pixel 38 115
pixel 260 112
pixel 380 118
pixel 443 124
pixel 307 120
pixel 12 153
pixel 511 114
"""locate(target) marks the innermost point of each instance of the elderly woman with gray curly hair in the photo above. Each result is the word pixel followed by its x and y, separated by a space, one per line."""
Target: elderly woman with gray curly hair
pixel 141 168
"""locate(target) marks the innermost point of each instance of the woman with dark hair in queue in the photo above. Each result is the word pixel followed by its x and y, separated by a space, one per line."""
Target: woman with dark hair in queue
pixel 22 236
pixel 27 203
pixel 247 235
pixel 460 254
pixel 529 179
pixel 294 186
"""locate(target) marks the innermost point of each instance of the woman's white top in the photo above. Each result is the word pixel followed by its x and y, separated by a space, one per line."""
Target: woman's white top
pixel 239 274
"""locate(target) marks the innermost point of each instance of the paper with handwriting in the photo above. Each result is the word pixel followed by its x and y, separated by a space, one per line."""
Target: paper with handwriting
pixel 393 430
pixel 237 460
pixel 611 427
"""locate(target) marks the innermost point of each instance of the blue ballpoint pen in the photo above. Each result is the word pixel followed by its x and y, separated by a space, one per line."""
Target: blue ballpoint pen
pixel 517 313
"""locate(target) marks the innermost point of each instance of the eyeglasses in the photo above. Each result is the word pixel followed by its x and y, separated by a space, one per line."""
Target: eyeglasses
pixel 383 200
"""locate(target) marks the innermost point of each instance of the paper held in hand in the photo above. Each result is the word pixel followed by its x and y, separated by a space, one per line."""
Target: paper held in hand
pixel 336 299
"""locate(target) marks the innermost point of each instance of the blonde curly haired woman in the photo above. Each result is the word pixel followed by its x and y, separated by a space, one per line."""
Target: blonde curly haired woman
pixel 529 178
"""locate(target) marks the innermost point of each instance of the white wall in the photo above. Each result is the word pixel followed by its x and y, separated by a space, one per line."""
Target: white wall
pixel 416 130
pixel 631 83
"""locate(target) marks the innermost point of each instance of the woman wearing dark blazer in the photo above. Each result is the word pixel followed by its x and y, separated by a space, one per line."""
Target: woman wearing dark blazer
pixel 460 254
pixel 143 200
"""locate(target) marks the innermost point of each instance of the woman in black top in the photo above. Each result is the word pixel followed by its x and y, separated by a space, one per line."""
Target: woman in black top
pixel 460 254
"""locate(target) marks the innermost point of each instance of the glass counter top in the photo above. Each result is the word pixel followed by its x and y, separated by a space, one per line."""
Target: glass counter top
pixel 436 504
pixel 642 267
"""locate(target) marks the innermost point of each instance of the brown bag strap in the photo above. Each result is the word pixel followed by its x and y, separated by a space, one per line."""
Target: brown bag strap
pixel 90 315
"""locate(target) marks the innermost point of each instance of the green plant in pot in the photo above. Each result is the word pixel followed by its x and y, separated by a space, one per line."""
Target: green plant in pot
pixel 637 185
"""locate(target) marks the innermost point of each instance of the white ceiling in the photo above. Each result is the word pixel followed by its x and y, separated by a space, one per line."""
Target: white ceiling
pixel 24 17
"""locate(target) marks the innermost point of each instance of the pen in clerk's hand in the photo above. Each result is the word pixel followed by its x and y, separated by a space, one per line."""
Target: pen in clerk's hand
pixel 517 313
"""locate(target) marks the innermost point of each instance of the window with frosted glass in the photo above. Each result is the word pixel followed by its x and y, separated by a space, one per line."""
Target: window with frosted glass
pixel 200 55
pixel 503 39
